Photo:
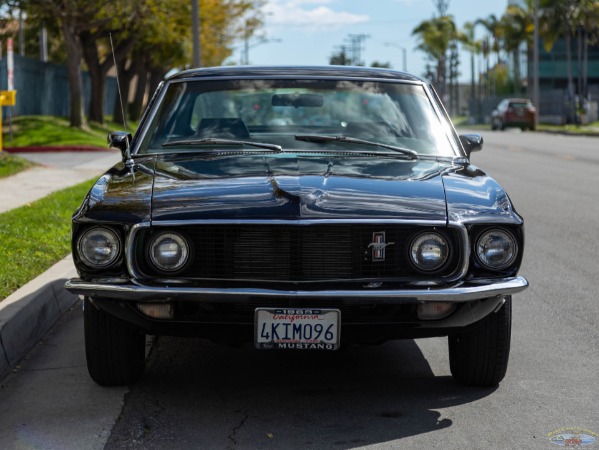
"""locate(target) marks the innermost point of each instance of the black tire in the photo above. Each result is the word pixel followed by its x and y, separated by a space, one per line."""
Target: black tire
pixel 115 350
pixel 479 356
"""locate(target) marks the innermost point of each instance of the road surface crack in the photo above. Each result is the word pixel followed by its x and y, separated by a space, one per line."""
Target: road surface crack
pixel 245 417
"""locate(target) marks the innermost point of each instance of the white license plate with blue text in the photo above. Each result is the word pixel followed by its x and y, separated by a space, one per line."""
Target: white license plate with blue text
pixel 297 329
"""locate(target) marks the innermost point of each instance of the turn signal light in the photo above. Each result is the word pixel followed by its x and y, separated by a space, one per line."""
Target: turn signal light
pixel 435 310
pixel 157 310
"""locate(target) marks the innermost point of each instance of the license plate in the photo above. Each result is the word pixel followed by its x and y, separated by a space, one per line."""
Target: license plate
pixel 297 329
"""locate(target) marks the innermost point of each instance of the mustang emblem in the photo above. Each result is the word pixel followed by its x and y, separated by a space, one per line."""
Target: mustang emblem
pixel 378 245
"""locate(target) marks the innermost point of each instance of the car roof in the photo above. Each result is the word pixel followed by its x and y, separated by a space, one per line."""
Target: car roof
pixel 297 71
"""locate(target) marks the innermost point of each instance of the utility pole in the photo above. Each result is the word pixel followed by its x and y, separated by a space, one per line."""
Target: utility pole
pixel 535 61
pixel 43 44
pixel 195 25
pixel 356 48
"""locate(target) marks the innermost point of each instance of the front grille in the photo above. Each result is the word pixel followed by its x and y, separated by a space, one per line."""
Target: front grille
pixel 298 253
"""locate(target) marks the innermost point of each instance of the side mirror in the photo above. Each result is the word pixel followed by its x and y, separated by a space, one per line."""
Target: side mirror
pixel 120 140
pixel 471 143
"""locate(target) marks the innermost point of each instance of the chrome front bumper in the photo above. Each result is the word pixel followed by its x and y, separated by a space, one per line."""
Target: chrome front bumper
pixel 459 292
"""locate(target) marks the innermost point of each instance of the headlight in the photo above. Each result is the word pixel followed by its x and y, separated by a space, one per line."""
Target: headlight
pixel 99 247
pixel 169 251
pixel 496 249
pixel 429 251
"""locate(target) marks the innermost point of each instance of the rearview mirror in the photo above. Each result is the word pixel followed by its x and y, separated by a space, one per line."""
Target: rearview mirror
pixel 120 140
pixel 471 143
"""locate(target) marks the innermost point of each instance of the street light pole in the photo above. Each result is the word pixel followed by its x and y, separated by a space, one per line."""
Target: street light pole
pixel 195 25
pixel 404 53
pixel 535 70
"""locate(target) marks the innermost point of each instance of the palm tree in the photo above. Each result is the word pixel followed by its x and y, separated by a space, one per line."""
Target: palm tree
pixel 558 19
pixel 494 27
pixel 435 36
pixel 587 17
pixel 468 40
pixel 518 25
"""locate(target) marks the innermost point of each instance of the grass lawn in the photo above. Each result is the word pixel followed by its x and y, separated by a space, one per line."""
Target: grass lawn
pixel 36 236
pixel 51 131
pixel 11 164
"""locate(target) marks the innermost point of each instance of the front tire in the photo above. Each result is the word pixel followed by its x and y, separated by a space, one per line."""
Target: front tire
pixel 115 350
pixel 479 356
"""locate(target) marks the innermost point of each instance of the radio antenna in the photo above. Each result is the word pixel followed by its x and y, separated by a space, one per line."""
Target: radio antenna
pixel 128 159
pixel 118 84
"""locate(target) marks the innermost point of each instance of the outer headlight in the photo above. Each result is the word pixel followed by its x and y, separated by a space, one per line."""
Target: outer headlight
pixel 429 251
pixel 496 249
pixel 169 251
pixel 99 247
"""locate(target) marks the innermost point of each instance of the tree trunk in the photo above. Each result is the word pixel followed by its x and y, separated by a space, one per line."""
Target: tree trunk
pixel 517 83
pixel 585 66
pixel 96 77
pixel 579 65
pixel 121 101
pixel 74 54
pixel 140 91
pixel 570 78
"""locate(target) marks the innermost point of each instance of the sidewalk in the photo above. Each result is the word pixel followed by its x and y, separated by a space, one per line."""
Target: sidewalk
pixel 57 170
pixel 29 313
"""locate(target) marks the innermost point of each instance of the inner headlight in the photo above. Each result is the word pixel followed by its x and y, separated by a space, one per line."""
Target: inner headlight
pixel 429 251
pixel 99 247
pixel 169 251
pixel 496 249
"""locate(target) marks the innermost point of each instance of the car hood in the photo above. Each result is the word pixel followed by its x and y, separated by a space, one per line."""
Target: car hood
pixel 294 187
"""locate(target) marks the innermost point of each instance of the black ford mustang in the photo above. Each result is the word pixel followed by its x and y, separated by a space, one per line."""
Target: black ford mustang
pixel 297 208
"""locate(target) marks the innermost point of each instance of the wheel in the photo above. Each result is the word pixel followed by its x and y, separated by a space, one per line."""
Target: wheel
pixel 115 350
pixel 479 356
pixel 501 125
pixel 493 125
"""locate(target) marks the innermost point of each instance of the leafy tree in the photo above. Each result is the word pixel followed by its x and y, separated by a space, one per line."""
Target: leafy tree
pixel 72 17
pixel 383 65
pixel 167 31
pixel 150 37
pixel 340 58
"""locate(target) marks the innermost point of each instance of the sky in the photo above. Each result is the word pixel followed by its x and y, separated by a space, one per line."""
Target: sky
pixel 308 32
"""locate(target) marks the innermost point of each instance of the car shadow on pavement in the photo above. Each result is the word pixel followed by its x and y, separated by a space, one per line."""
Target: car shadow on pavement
pixel 222 397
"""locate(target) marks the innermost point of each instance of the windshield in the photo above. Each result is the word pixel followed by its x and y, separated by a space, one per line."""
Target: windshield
pixel 282 112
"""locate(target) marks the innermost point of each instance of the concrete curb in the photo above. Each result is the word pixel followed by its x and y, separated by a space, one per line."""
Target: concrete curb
pixel 29 313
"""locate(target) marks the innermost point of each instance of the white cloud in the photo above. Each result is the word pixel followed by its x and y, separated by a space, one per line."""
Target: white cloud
pixel 309 13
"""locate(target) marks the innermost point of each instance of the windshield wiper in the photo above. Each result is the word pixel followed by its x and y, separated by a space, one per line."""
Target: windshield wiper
pixel 219 141
pixel 411 154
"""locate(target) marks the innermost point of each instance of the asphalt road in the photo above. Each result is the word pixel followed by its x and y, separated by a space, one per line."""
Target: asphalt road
pixel 196 394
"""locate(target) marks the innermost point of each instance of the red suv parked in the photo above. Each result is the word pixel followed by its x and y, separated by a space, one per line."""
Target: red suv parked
pixel 514 112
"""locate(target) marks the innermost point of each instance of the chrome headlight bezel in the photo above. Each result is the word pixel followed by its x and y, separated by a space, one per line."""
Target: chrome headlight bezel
pixel 437 243
pixel 113 248
pixel 496 249
pixel 179 247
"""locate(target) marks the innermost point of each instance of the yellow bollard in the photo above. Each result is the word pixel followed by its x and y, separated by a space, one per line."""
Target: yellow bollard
pixel 7 98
